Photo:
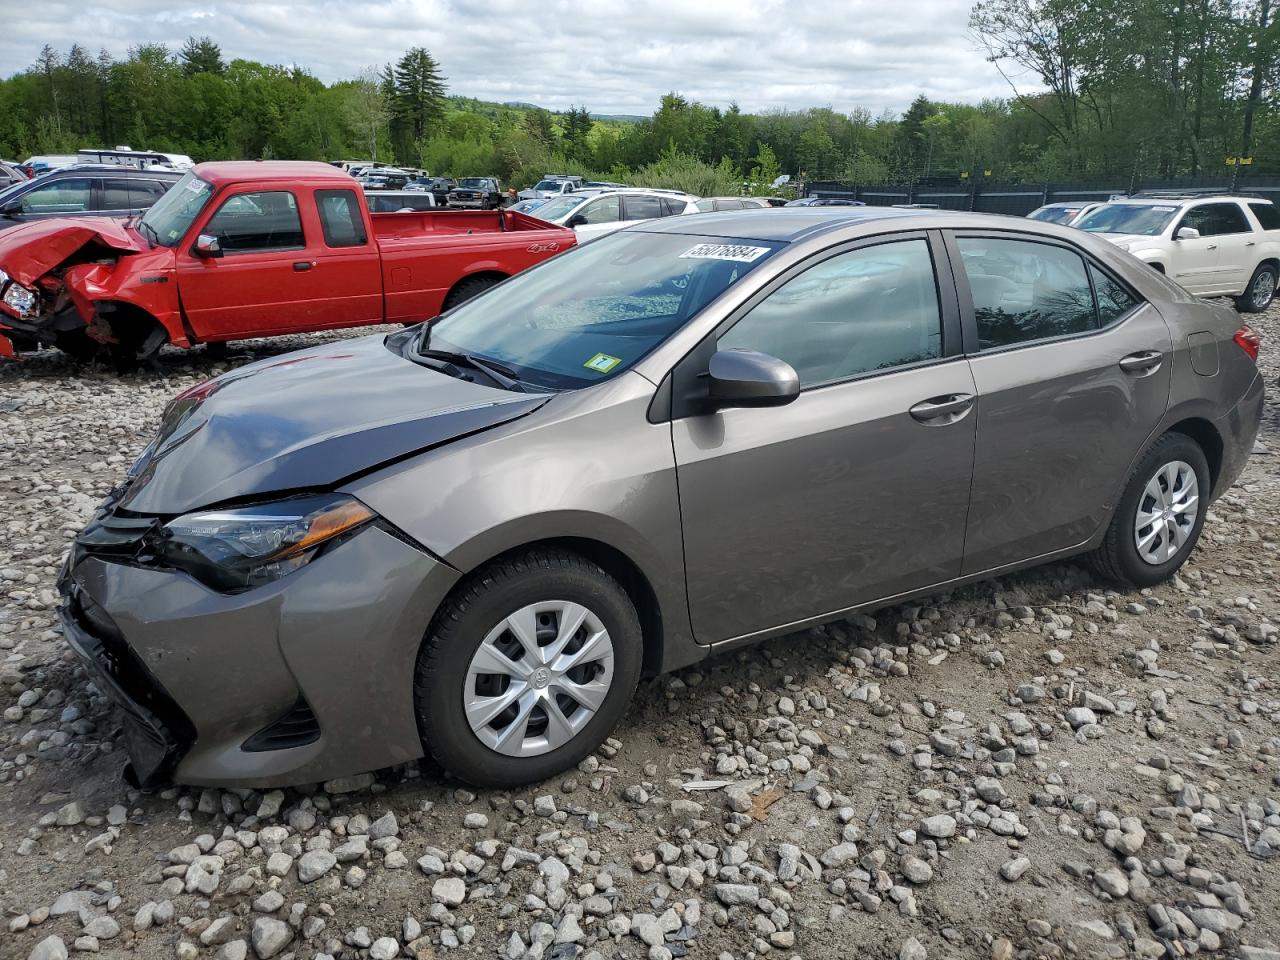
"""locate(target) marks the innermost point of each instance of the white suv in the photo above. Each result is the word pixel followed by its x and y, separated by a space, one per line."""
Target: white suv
pixel 593 213
pixel 1214 246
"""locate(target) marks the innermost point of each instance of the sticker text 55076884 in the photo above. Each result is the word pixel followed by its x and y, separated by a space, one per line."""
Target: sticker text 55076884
pixel 737 252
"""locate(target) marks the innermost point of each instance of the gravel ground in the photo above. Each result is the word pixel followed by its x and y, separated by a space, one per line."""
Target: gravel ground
pixel 1034 767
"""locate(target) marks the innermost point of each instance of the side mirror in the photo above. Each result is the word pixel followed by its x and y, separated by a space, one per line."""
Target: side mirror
pixel 1187 233
pixel 11 209
pixel 745 378
pixel 577 220
pixel 207 246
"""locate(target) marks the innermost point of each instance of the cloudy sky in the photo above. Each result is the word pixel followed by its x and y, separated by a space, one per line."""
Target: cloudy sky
pixel 612 56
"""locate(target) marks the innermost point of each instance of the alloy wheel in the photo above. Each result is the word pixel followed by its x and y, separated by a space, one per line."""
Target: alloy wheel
pixel 1166 512
pixel 1264 288
pixel 538 678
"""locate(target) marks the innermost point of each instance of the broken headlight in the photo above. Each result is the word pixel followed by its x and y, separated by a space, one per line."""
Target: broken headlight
pixel 22 300
pixel 238 549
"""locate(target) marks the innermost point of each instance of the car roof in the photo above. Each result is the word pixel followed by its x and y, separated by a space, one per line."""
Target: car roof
pixel 230 171
pixel 1203 198
pixel 789 224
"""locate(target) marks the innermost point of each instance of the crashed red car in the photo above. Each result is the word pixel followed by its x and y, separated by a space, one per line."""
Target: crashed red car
pixel 251 249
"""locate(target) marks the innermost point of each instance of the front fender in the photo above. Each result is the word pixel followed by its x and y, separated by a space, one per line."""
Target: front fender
pixel 138 283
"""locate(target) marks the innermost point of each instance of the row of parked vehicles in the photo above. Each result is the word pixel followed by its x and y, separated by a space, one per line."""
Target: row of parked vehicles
pixel 1212 244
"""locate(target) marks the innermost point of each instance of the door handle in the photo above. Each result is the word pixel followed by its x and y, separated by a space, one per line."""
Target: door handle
pixel 1250 243
pixel 303 265
pixel 1141 362
pixel 1212 246
pixel 938 411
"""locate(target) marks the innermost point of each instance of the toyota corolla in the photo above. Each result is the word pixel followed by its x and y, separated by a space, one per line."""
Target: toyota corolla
pixel 473 537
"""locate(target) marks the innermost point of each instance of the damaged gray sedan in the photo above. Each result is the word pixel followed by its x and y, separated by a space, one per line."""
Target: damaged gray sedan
pixel 472 538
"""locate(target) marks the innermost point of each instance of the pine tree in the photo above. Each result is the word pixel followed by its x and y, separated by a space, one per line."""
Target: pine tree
pixel 417 100
pixel 201 55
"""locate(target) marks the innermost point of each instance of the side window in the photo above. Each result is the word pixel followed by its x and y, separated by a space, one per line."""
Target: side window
pixel 1114 299
pixel 857 312
pixel 704 206
pixel 643 208
pixel 672 207
pixel 604 210
pixel 1216 219
pixel 258 221
pixel 1268 215
pixel 1025 291
pixel 340 219
pixel 115 195
pixel 143 193
pixel 728 204
pixel 64 196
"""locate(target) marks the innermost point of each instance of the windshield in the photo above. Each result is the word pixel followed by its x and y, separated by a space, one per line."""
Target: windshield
pixel 1055 214
pixel 474 183
pixel 559 208
pixel 548 185
pixel 1146 219
pixel 591 313
pixel 170 216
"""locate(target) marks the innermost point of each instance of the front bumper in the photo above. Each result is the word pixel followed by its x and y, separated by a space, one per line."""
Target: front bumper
pixel 303 680
pixel 469 203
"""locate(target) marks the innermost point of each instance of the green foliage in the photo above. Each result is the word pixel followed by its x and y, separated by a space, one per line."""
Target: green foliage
pixel 1115 89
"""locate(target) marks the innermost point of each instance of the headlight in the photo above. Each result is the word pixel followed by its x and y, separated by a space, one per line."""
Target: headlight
pixel 235 550
pixel 20 298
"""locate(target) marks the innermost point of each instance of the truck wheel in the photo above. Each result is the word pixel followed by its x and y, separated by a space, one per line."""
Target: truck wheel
pixel 1260 292
pixel 468 288
pixel 526 669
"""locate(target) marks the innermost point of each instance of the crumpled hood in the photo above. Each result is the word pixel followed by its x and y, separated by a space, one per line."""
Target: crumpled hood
pixel 29 251
pixel 307 420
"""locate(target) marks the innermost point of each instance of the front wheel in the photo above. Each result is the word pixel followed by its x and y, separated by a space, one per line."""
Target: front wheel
pixel 527 668
pixel 1160 515
pixel 1260 292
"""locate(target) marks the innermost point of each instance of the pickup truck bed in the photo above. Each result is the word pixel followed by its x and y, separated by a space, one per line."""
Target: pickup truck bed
pixel 251 249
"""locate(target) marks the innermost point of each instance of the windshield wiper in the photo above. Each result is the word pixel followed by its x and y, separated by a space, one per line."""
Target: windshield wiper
pixel 143 228
pixel 499 373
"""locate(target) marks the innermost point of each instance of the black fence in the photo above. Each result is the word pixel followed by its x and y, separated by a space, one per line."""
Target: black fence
pixel 1019 199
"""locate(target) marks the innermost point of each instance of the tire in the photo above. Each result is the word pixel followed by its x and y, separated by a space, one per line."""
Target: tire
pixel 1118 556
pixel 1260 291
pixel 468 288
pixel 77 344
pixel 449 671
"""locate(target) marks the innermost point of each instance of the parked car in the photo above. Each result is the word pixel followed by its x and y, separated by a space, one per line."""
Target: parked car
pixel 776 201
pixel 84 190
pixel 825 202
pixel 1214 246
pixel 11 173
pixel 250 249
pixel 1065 213
pixel 593 213
pixel 34 166
pixel 479 192
pixel 605 185
pixel 384 178
pixel 127 157
pixel 713 204
pixel 399 201
pixel 552 185
pixel 514 512
pixel 438 187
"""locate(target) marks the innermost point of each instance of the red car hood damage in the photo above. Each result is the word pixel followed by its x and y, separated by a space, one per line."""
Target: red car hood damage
pixel 30 251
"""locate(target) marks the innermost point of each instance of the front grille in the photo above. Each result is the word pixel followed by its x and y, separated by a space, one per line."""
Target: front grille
pixel 296 728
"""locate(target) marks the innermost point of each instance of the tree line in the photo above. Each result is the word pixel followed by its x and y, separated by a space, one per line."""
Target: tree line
pixel 1098 89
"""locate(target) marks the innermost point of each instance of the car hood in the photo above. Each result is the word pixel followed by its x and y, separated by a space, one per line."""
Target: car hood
pixel 29 251
pixel 1126 240
pixel 305 421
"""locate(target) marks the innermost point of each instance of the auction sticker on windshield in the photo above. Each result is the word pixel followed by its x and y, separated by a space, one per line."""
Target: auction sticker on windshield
pixel 737 252
pixel 602 363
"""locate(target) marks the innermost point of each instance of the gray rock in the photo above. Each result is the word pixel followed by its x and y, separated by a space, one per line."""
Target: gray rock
pixel 269 937
pixel 1112 881
pixel 233 950
pixel 103 928
pixel 732 894
pixel 451 891
pixel 916 870
pixel 385 826
pixel 940 827
pixel 384 948
pixel 913 949
pixel 1012 870
pixel 989 789
pixel 50 948
pixel 218 932
pixel 1081 717
pixel 314 864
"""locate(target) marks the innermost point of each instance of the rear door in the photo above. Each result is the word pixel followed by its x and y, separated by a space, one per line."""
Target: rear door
pixel 1071 386
pixel 264 281
pixel 1237 242
pixel 858 489
pixel 347 267
pixel 598 217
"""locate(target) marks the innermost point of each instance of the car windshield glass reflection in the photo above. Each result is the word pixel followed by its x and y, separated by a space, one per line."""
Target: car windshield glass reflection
pixel 593 312
pixel 1147 220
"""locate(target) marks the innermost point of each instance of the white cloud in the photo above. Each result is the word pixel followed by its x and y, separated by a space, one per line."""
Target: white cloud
pixel 612 56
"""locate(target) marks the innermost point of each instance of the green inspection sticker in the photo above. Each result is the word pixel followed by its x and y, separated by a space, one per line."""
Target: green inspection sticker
pixel 602 363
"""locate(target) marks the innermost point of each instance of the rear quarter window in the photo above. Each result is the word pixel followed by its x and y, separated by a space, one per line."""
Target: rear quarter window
pixel 1268 215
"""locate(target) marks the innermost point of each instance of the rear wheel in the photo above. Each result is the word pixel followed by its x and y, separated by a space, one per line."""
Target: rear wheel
pixel 1260 292
pixel 468 288
pixel 527 668
pixel 1160 515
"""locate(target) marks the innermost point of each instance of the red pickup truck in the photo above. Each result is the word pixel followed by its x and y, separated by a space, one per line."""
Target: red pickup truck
pixel 251 249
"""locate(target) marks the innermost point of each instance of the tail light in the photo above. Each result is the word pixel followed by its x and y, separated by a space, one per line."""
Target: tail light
pixel 1250 341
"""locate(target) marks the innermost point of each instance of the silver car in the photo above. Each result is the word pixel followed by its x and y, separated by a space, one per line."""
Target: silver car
pixel 473 537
